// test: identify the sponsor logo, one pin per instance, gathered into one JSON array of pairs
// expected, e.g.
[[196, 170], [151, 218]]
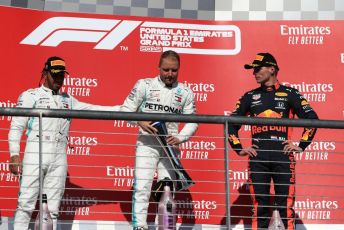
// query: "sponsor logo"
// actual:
[[57, 62], [4, 166], [280, 99], [259, 57], [247, 128], [239, 178], [281, 94], [122, 124], [238, 175], [255, 103], [154, 36], [274, 137], [316, 151], [81, 145], [304, 102], [266, 128], [196, 149], [165, 108], [269, 114], [234, 139], [315, 209], [305, 35], [201, 90], [79, 86], [6, 175], [195, 209], [123, 176], [256, 96], [292, 168], [342, 57], [280, 105], [77, 205], [178, 98], [120, 171], [312, 92], [150, 49], [7, 104]]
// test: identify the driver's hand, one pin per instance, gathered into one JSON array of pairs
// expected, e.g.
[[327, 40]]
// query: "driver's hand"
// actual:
[[251, 151], [289, 147], [15, 165], [146, 126], [174, 141]]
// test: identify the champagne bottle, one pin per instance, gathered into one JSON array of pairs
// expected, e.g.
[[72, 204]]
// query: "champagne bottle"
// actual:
[[167, 211], [276, 221], [47, 222]]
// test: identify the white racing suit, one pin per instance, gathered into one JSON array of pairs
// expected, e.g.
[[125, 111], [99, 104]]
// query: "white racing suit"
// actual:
[[152, 96], [54, 156]]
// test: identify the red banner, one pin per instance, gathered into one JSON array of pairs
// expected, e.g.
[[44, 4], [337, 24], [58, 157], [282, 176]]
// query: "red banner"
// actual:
[[106, 55]]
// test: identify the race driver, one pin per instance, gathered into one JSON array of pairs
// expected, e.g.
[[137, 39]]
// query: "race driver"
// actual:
[[161, 94], [55, 139], [271, 155]]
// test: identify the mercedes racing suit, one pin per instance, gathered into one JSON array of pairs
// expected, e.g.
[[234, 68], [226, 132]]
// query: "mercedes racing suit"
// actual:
[[54, 157], [277, 101], [152, 96]]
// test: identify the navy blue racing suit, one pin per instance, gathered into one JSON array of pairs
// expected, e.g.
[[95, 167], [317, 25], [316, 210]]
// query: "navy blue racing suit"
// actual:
[[271, 162]]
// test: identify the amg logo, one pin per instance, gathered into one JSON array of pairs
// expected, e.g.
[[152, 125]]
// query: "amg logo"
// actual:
[[165, 108]]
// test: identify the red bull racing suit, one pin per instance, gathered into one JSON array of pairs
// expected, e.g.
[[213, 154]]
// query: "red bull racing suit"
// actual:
[[54, 156], [271, 162], [153, 96]]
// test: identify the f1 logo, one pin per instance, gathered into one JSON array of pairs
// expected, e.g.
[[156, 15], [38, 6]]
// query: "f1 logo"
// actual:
[[107, 33]]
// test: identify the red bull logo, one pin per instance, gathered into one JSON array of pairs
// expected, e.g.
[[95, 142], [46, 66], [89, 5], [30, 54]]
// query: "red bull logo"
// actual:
[[266, 128], [307, 133], [234, 139], [270, 114]]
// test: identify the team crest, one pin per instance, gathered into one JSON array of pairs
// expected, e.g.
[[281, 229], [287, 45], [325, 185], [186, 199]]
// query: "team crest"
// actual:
[[256, 96]]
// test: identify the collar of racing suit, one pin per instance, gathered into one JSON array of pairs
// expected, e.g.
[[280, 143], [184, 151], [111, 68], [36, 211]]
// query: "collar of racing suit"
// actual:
[[271, 87], [49, 90], [164, 85]]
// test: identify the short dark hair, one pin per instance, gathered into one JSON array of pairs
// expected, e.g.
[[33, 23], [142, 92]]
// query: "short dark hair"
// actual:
[[167, 54]]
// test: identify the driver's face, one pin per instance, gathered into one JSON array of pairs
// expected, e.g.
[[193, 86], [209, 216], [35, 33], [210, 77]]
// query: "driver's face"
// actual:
[[54, 81], [169, 69]]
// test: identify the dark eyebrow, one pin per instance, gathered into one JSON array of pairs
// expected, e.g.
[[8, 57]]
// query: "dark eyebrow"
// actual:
[[168, 69]]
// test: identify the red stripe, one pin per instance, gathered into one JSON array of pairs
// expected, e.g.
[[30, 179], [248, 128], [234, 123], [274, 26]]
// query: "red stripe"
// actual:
[[290, 129], [290, 202], [255, 207]]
